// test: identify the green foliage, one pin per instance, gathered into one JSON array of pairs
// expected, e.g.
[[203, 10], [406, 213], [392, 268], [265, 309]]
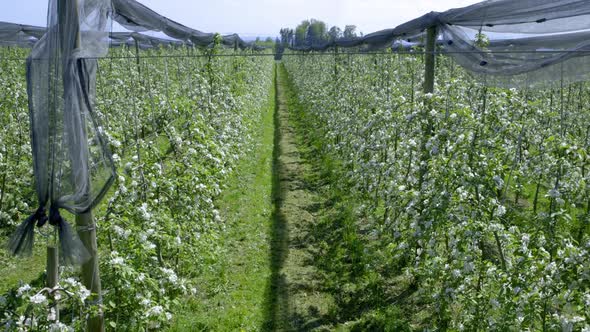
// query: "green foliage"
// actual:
[[232, 293], [314, 32], [391, 319], [349, 31], [482, 41], [177, 127], [467, 208], [334, 33]]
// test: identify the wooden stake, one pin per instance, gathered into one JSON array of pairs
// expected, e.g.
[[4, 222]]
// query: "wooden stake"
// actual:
[[90, 269], [429, 60], [137, 56], [52, 272], [68, 15]]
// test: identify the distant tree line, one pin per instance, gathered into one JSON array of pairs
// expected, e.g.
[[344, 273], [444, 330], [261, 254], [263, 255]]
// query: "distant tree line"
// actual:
[[268, 42], [314, 32]]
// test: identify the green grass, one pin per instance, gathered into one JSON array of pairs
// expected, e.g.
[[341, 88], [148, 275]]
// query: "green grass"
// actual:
[[301, 302], [18, 270], [234, 292], [15, 271], [267, 278], [353, 298]]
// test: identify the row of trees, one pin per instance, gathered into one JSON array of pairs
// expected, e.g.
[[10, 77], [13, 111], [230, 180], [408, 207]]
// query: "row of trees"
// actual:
[[313, 32]]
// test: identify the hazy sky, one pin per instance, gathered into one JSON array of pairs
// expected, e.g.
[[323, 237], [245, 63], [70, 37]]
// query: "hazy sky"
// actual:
[[261, 17]]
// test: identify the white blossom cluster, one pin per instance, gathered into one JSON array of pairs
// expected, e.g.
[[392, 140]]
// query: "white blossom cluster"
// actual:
[[479, 194]]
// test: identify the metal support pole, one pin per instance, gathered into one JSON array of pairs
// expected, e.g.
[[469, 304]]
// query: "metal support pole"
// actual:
[[336, 61], [52, 266]]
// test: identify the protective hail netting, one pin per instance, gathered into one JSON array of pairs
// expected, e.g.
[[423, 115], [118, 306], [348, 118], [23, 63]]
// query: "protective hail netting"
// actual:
[[19, 35], [509, 42], [72, 165], [12, 34], [144, 41], [137, 17]]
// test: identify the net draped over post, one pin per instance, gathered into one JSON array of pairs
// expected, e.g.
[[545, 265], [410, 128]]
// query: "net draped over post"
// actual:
[[529, 41], [72, 164]]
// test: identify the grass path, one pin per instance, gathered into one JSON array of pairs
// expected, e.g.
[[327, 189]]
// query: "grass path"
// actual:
[[265, 279], [298, 303], [232, 292]]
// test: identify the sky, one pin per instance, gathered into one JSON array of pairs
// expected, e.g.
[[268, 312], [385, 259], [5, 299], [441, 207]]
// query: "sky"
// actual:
[[261, 17]]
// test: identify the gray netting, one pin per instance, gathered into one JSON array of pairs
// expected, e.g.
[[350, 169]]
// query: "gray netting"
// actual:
[[12, 34], [530, 41], [72, 165], [137, 17], [144, 41]]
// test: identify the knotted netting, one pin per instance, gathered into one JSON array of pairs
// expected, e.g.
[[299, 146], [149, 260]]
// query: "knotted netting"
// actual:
[[526, 42], [72, 165]]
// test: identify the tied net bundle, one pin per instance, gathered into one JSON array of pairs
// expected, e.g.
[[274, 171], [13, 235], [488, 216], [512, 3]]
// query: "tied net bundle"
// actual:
[[72, 165]]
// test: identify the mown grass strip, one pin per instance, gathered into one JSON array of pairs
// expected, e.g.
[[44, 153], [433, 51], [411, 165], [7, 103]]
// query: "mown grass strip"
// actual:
[[233, 293]]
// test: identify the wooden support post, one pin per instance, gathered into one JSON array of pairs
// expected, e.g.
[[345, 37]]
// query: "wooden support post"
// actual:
[[68, 19], [336, 61], [52, 266], [53, 272], [429, 60], [90, 269], [137, 56]]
